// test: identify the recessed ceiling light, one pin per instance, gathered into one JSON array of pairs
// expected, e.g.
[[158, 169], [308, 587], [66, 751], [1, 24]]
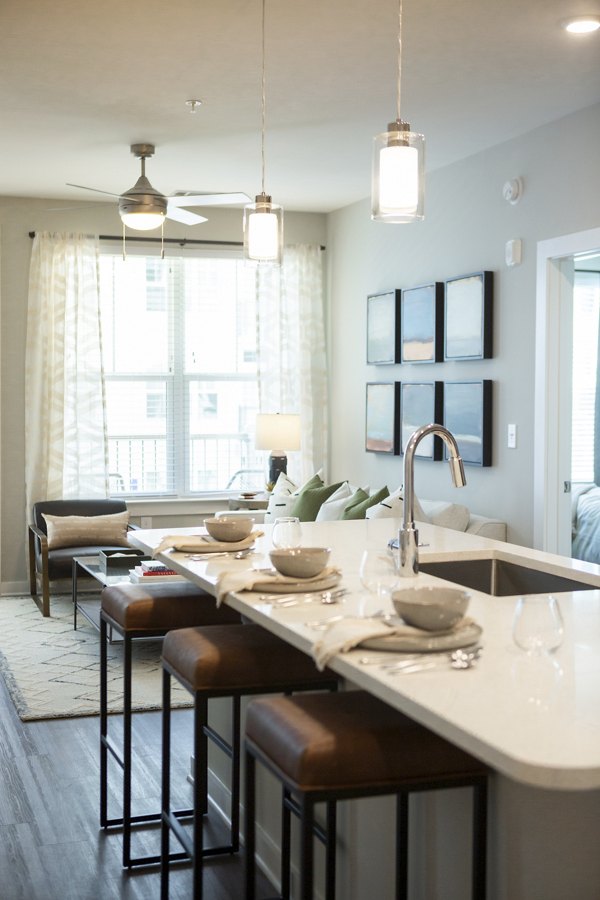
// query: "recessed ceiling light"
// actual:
[[582, 24]]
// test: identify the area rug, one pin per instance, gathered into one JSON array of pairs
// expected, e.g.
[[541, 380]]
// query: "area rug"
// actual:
[[52, 671]]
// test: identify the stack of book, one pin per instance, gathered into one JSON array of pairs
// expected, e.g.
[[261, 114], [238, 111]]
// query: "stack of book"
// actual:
[[152, 570]]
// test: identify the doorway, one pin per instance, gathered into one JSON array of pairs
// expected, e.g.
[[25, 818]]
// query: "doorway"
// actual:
[[553, 387]]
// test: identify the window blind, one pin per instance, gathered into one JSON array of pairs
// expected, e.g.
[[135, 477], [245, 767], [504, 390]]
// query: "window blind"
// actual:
[[179, 350]]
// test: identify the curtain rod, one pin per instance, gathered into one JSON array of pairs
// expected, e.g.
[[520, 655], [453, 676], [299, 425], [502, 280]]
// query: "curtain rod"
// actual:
[[182, 242]]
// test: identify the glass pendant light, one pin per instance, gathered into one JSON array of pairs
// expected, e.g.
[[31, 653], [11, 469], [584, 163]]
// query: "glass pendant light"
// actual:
[[263, 219], [398, 164]]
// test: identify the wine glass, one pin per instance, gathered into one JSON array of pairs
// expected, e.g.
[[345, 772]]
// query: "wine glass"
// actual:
[[287, 532], [378, 574], [538, 625]]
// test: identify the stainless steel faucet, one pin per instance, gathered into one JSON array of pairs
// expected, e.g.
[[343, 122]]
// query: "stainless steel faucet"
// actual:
[[408, 536]]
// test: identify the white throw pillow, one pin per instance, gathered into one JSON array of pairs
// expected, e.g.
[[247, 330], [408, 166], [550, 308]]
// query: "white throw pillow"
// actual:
[[279, 505], [283, 498], [447, 515], [284, 486], [333, 507], [393, 507]]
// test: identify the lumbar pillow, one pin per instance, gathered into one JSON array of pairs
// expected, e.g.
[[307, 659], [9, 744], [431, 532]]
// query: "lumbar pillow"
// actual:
[[393, 507], [309, 501], [358, 505], [87, 531], [447, 515]]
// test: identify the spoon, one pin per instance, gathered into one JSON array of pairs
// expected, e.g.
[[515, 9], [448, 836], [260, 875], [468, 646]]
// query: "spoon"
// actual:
[[459, 659]]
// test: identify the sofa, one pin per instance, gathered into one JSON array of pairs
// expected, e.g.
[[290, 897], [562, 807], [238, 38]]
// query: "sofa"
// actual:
[[315, 501]]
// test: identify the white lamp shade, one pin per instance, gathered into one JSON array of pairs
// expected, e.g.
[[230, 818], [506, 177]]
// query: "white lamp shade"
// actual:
[[277, 431], [398, 177], [263, 233]]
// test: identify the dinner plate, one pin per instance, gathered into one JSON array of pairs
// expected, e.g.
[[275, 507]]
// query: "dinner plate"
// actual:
[[426, 643], [301, 586]]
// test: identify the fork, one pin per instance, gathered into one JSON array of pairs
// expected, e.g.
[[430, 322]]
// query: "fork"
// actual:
[[287, 600]]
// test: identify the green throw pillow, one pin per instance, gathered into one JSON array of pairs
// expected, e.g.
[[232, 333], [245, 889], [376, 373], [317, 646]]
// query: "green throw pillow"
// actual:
[[310, 500], [314, 482], [359, 503]]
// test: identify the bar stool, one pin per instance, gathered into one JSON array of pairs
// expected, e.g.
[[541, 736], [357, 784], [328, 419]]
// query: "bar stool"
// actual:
[[211, 662], [329, 747], [140, 611]]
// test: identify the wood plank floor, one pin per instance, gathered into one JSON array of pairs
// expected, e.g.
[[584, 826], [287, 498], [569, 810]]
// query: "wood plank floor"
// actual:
[[51, 846]]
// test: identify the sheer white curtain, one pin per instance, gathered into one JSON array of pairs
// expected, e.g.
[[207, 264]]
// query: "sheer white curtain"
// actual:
[[292, 367], [66, 452]]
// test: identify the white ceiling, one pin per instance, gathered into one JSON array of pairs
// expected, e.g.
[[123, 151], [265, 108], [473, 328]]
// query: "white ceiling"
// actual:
[[80, 81]]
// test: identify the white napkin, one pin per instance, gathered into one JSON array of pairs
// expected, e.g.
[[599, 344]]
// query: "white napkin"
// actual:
[[247, 579], [204, 543], [347, 633]]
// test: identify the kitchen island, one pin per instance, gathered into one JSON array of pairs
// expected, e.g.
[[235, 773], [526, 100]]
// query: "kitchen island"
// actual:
[[536, 722]]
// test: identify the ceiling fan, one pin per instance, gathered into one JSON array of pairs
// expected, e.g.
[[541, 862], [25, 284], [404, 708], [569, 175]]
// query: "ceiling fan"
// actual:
[[143, 208]]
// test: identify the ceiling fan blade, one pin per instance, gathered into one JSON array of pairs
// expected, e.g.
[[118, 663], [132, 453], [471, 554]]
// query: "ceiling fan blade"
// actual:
[[185, 217], [208, 199], [96, 190]]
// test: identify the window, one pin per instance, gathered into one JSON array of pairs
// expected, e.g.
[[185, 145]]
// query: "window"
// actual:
[[586, 307], [179, 349]]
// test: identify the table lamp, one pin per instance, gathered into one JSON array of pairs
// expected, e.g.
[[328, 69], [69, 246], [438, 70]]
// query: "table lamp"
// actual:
[[277, 432]]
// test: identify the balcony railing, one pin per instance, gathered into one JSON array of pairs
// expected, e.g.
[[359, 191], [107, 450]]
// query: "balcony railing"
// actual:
[[145, 464]]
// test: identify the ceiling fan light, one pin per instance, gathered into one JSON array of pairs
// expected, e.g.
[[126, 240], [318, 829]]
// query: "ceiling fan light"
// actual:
[[398, 177], [263, 232], [140, 220]]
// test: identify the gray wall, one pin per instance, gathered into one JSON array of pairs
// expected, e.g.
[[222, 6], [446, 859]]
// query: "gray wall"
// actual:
[[17, 217], [466, 227]]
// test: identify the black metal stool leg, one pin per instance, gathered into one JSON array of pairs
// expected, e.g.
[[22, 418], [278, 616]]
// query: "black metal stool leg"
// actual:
[[235, 774], [286, 844], [200, 788], [306, 847], [330, 848], [402, 800], [127, 739], [166, 786], [103, 727], [250, 830]]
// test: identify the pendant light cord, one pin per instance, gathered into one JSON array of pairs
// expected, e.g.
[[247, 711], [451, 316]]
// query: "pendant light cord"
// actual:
[[264, 101], [399, 83]]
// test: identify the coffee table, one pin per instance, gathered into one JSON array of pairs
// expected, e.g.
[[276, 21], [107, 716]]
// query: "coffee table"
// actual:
[[90, 607]]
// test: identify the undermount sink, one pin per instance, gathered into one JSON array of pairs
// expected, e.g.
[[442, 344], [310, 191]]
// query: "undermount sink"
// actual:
[[501, 578]]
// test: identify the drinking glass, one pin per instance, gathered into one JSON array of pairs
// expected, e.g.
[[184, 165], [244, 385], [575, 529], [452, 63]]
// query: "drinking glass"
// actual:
[[378, 573], [287, 532], [538, 625]]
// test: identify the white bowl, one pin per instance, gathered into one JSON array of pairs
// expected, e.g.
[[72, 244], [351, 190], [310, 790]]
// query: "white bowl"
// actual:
[[229, 528], [431, 608], [300, 562]]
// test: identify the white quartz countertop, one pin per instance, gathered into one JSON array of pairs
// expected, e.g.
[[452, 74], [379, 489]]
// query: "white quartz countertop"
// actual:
[[536, 720]]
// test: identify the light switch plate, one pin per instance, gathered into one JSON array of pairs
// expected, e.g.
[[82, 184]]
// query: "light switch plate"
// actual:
[[512, 437]]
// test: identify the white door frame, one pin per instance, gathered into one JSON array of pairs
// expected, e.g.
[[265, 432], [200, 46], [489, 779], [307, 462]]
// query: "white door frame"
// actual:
[[554, 282]]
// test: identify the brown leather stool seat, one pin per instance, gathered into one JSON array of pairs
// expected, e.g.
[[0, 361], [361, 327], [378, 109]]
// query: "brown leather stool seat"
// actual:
[[137, 611], [330, 747], [215, 661]]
